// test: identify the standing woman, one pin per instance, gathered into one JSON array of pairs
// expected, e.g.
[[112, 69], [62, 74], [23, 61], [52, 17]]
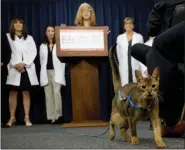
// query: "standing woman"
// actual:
[[85, 16], [52, 75], [21, 68], [127, 64]]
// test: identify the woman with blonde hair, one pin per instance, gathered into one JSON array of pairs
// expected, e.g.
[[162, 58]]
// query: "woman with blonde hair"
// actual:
[[21, 68], [85, 16]]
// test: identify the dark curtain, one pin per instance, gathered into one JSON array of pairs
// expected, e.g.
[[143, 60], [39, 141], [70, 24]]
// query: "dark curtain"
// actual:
[[39, 13]]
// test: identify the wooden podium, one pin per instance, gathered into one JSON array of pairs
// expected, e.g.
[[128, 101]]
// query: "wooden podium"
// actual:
[[83, 59]]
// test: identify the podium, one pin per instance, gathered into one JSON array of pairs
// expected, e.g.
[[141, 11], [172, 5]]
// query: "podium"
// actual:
[[82, 47]]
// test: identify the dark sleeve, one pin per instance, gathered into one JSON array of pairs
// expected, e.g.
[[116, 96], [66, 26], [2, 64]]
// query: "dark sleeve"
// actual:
[[5, 50], [155, 16]]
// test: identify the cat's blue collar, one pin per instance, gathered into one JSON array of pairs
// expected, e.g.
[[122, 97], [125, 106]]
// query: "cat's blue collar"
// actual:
[[128, 98]]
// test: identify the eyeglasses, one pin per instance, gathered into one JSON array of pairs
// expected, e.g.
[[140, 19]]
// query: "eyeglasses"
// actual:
[[87, 10]]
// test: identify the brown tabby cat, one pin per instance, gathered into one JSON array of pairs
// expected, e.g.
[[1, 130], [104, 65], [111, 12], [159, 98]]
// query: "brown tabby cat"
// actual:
[[134, 102]]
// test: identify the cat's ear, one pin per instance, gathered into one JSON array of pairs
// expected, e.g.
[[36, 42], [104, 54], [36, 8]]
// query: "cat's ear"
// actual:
[[155, 73], [138, 75]]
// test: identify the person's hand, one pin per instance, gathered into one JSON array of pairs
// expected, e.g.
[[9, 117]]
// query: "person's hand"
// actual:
[[23, 70], [19, 67], [108, 31], [63, 25]]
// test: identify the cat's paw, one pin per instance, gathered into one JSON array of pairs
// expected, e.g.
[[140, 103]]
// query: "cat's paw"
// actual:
[[160, 144], [134, 140], [111, 137], [127, 139]]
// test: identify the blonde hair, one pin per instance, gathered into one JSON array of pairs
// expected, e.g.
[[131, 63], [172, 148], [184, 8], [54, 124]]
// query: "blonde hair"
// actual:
[[129, 19], [79, 17]]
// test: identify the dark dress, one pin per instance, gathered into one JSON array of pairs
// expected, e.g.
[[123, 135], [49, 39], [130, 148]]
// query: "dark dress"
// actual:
[[130, 79], [24, 83]]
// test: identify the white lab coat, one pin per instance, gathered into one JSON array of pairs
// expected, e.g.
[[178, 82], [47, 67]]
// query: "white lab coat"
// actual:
[[122, 53], [23, 51], [59, 68]]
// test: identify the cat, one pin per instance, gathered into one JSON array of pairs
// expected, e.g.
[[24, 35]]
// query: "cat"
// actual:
[[134, 102]]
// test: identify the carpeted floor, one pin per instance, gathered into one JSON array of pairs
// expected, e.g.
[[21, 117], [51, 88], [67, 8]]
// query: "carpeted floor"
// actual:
[[53, 136]]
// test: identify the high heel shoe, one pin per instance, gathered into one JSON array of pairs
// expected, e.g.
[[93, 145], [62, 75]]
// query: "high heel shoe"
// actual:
[[11, 122], [27, 121]]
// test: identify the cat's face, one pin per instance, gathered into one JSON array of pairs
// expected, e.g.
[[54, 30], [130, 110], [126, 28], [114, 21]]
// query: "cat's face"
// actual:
[[148, 86]]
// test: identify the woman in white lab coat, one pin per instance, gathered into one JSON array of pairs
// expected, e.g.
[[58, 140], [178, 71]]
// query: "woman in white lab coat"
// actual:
[[127, 64], [52, 75], [21, 68]]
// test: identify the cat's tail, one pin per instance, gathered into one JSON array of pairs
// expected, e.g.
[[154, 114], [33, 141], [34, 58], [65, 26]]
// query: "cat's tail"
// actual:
[[114, 67]]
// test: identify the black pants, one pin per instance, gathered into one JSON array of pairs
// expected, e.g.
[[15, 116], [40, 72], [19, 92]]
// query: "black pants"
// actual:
[[166, 52]]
